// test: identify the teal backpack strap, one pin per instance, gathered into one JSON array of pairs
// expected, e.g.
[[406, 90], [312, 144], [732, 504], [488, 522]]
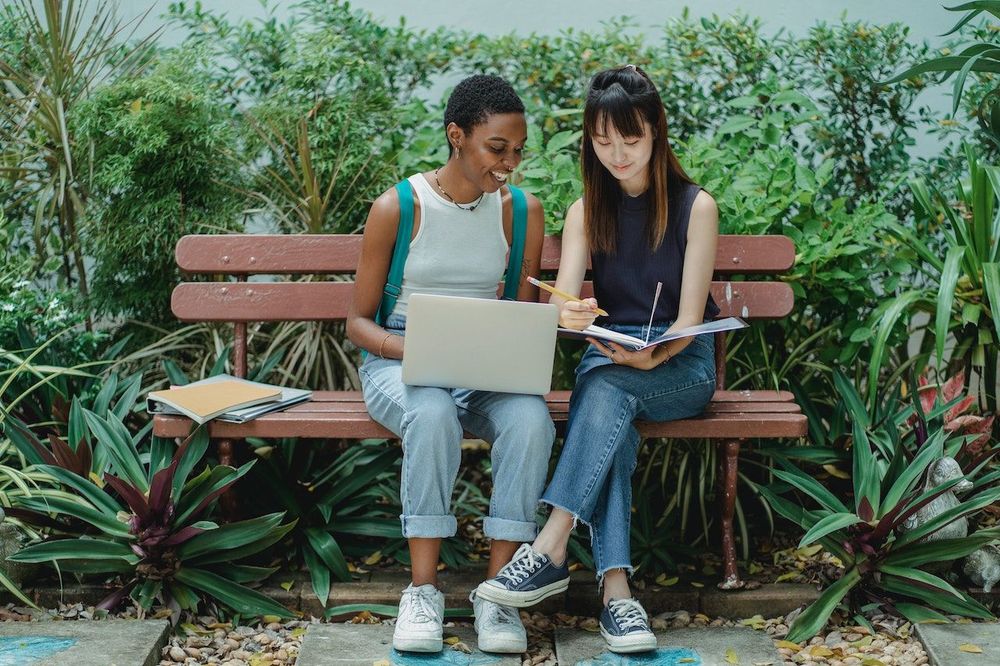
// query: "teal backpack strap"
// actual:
[[519, 229], [394, 281]]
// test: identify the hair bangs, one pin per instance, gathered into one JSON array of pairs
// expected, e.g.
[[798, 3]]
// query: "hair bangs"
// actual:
[[613, 107]]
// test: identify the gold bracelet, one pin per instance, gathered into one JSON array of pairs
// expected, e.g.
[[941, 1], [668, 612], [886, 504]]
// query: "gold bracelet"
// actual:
[[382, 344]]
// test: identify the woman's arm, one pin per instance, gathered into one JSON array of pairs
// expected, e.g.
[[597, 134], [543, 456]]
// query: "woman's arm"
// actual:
[[572, 269], [699, 261], [699, 265], [373, 270], [531, 264]]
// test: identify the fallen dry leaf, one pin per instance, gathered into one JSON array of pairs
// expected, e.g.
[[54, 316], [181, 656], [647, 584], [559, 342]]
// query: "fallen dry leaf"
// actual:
[[731, 657], [788, 645], [833, 470], [969, 647]]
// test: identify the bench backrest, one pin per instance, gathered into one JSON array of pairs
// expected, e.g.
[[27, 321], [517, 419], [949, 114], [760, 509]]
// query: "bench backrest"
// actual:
[[241, 301]]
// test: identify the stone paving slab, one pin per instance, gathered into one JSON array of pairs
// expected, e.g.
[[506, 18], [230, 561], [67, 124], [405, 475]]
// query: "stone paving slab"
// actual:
[[368, 644], [675, 647], [941, 642], [83, 643]]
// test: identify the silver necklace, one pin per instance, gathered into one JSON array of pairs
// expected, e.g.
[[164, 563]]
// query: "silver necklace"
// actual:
[[452, 199]]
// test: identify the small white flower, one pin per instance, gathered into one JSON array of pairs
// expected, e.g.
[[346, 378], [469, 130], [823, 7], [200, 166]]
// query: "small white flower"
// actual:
[[7, 307]]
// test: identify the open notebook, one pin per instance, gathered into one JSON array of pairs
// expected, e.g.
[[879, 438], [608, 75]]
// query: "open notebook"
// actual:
[[632, 342]]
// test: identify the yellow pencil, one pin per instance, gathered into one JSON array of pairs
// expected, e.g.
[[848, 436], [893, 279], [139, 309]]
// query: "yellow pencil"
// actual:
[[563, 294]]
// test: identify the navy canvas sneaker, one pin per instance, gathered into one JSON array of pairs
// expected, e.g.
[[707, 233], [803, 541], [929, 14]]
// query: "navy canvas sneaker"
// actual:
[[527, 579], [625, 627]]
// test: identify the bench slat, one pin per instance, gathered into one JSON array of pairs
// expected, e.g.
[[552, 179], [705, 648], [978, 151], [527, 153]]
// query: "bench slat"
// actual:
[[329, 301], [553, 397], [558, 409], [249, 254], [354, 426]]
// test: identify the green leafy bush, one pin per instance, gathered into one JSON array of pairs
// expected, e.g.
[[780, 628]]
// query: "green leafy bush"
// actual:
[[158, 174]]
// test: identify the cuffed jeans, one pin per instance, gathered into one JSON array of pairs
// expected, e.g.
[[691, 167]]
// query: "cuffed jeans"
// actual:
[[593, 479], [430, 423]]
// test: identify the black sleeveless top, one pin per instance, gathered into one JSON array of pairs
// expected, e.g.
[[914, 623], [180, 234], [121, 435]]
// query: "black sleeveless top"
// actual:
[[625, 282]]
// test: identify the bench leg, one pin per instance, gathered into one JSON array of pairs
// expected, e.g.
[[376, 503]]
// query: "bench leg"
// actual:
[[228, 500], [729, 451]]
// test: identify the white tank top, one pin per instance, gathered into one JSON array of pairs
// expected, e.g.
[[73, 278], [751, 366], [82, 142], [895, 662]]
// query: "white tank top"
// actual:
[[456, 252]]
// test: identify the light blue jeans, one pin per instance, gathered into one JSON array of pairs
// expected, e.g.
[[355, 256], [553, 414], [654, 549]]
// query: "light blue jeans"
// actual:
[[430, 423], [593, 479]]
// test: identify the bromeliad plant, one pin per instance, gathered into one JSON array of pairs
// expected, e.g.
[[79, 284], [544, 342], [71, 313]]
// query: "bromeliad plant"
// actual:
[[881, 557], [143, 518]]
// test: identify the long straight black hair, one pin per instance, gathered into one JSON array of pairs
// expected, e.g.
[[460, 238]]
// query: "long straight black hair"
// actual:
[[622, 98]]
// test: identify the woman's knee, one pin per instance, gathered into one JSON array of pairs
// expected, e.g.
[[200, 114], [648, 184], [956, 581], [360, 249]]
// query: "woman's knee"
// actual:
[[530, 425], [432, 413]]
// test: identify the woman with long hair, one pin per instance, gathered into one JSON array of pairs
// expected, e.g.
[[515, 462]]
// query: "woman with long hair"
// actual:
[[641, 222]]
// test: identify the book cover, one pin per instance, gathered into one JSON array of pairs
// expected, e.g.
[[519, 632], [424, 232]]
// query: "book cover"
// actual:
[[287, 398], [637, 344], [203, 402]]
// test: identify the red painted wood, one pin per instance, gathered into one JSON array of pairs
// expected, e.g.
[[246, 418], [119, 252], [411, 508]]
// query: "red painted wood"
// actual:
[[329, 301], [305, 254], [563, 396], [355, 426]]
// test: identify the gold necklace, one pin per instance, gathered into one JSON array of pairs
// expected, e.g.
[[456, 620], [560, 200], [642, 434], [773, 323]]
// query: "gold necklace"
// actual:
[[452, 199]]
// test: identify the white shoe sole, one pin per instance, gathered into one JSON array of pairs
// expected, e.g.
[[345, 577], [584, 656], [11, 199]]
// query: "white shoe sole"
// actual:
[[629, 644], [499, 595], [509, 645], [416, 644]]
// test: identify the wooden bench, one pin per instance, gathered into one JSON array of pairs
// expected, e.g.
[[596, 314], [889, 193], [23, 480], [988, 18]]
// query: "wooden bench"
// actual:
[[730, 419]]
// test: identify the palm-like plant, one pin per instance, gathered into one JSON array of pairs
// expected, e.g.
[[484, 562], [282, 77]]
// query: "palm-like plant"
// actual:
[[142, 517], [67, 50], [330, 500], [982, 58], [882, 559], [962, 290]]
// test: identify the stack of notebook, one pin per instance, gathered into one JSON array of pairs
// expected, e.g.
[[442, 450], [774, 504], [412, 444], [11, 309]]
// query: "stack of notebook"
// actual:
[[225, 398]]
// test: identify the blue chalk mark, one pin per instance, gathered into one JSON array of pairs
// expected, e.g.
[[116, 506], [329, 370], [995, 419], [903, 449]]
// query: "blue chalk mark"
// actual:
[[670, 656], [25, 650], [446, 657]]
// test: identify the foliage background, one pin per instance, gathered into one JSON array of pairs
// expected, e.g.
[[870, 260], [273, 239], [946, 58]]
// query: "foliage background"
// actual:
[[287, 126]]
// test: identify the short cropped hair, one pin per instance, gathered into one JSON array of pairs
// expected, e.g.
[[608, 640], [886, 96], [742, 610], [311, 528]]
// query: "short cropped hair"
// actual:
[[477, 98]]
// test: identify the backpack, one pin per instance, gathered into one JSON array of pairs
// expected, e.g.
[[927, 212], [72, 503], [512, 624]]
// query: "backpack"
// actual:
[[394, 281]]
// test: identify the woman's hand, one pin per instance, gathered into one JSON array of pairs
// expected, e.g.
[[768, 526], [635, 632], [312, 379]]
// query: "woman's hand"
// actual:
[[645, 359], [578, 315]]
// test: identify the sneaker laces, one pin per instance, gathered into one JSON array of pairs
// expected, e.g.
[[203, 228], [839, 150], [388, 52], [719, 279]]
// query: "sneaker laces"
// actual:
[[420, 604], [629, 613], [526, 561], [499, 614], [495, 613]]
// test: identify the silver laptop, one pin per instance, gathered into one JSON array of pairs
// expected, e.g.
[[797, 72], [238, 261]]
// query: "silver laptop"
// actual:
[[478, 343]]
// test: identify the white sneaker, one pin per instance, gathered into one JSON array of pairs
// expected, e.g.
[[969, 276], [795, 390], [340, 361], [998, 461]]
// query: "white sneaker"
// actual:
[[419, 623], [499, 627]]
